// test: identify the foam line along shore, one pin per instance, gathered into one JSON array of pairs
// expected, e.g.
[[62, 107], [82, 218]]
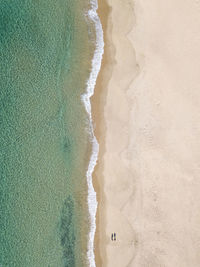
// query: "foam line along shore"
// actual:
[[96, 65]]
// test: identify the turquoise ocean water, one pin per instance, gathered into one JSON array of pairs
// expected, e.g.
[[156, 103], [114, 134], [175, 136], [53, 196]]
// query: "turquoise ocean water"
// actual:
[[45, 59]]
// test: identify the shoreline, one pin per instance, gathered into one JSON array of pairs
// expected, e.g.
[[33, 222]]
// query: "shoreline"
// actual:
[[97, 102], [100, 101], [86, 99]]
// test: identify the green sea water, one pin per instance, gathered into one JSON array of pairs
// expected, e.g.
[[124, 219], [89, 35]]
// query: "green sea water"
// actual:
[[45, 55]]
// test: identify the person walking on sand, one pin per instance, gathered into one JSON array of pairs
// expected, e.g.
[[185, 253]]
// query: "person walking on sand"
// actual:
[[114, 236]]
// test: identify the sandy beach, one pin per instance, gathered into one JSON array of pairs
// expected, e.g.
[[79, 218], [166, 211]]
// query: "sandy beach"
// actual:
[[147, 121]]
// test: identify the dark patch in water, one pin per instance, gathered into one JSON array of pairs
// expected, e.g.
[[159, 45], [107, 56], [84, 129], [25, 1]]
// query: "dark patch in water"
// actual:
[[67, 232], [66, 145]]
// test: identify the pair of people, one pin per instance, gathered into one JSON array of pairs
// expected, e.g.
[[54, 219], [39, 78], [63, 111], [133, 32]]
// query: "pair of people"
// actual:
[[113, 237]]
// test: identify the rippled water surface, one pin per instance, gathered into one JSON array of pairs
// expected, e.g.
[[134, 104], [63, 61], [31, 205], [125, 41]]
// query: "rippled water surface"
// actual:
[[45, 55]]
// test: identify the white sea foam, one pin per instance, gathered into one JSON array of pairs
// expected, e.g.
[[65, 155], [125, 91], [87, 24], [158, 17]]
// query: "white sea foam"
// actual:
[[96, 65]]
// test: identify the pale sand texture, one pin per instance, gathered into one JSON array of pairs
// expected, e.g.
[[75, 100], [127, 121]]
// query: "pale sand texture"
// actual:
[[149, 167]]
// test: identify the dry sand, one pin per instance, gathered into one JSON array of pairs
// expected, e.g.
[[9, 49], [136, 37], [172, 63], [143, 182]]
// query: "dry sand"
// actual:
[[147, 115]]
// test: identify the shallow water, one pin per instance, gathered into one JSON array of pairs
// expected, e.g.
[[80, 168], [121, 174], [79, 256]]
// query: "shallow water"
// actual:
[[45, 60]]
